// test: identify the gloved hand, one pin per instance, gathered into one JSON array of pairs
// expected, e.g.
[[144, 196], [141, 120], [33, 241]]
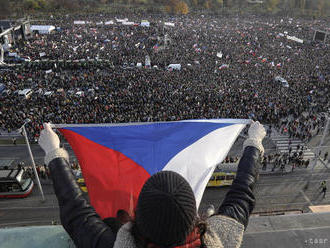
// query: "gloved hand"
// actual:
[[48, 139], [210, 211], [50, 143], [257, 133]]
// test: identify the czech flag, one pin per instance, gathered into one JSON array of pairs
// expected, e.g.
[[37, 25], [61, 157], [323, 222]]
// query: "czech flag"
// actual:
[[117, 159]]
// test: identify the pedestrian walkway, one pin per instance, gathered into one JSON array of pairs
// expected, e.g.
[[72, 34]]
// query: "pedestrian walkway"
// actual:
[[6, 162], [4, 134], [282, 142]]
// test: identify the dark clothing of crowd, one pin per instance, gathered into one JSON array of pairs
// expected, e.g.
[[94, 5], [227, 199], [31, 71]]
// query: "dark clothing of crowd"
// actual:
[[112, 89]]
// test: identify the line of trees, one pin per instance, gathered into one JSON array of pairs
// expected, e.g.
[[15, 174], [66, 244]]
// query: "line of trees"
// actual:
[[321, 7]]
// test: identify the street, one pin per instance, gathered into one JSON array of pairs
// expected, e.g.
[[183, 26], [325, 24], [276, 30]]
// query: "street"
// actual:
[[286, 192], [20, 153], [273, 193]]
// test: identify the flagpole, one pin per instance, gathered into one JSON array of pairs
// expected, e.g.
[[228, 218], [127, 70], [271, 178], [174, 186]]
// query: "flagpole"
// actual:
[[33, 163]]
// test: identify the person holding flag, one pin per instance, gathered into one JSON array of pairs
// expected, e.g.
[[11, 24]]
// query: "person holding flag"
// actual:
[[166, 212]]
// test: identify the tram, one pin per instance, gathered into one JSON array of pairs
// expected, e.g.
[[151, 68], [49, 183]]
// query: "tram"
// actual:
[[82, 184], [15, 183], [80, 180], [223, 175]]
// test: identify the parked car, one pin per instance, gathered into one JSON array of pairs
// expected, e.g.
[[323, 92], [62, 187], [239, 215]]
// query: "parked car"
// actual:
[[25, 94], [174, 67], [282, 81]]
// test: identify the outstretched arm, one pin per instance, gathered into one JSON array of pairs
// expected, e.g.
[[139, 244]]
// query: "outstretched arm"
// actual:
[[78, 217], [240, 201]]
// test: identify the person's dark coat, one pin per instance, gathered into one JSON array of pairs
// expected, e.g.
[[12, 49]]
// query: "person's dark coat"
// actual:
[[87, 229]]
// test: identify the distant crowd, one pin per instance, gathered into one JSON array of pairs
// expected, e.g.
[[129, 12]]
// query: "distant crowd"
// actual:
[[228, 70], [43, 171]]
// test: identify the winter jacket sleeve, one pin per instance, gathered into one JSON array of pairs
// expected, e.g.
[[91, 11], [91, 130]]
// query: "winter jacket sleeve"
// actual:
[[78, 217], [240, 201]]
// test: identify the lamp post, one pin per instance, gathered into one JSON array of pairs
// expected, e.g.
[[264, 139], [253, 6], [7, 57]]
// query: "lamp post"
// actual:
[[1, 54], [32, 159]]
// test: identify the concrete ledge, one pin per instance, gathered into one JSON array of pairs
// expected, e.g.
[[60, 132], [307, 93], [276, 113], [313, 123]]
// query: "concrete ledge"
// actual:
[[288, 222], [309, 237], [35, 237], [294, 231]]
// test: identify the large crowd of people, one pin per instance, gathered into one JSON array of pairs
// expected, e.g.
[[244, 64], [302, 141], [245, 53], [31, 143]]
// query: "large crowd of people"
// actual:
[[228, 67]]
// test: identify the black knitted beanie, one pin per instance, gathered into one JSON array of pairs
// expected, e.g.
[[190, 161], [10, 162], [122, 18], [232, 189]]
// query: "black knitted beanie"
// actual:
[[166, 209]]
